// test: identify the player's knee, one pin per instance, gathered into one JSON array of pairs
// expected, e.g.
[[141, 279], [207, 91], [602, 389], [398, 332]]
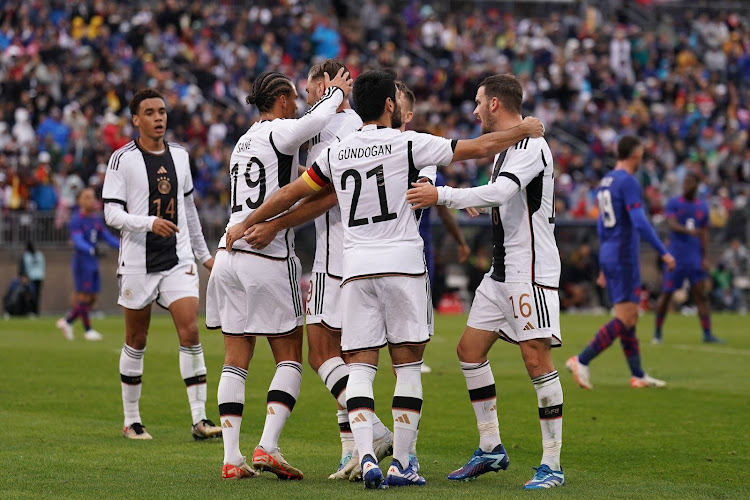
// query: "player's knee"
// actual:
[[189, 335], [467, 353]]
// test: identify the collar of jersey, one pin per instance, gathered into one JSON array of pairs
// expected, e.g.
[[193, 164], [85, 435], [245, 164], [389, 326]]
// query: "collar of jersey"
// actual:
[[372, 126]]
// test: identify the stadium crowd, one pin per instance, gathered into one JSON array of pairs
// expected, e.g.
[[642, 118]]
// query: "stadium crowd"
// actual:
[[68, 69]]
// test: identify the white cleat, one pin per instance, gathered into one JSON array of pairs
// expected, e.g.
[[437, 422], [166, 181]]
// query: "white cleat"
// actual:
[[383, 448], [646, 381], [65, 328], [580, 372], [92, 335]]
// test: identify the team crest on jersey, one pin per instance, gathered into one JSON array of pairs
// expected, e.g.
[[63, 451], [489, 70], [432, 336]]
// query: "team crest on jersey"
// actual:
[[163, 185]]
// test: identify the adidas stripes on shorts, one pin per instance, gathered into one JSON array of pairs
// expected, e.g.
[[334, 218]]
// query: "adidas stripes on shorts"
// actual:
[[516, 311]]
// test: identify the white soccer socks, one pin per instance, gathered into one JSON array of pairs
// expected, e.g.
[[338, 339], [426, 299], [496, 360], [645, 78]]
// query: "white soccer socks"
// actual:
[[550, 398], [406, 409], [334, 373], [231, 398], [131, 371], [481, 385], [282, 396], [193, 371], [360, 405]]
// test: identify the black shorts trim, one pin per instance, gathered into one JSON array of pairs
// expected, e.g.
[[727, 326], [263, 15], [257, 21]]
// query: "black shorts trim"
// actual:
[[546, 287], [253, 253], [252, 334], [381, 275], [397, 344], [362, 349], [333, 329]]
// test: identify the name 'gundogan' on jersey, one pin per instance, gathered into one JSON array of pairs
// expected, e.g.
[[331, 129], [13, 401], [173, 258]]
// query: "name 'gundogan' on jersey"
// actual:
[[147, 186], [523, 225], [371, 169]]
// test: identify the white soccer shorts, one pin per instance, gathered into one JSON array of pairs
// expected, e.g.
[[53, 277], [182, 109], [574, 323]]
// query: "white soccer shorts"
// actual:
[[391, 310], [139, 290], [250, 295], [516, 311], [323, 304]]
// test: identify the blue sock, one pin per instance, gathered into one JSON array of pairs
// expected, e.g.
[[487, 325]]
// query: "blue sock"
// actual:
[[632, 351], [603, 339]]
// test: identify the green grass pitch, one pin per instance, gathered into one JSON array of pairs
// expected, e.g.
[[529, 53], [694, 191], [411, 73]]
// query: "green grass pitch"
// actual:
[[61, 417]]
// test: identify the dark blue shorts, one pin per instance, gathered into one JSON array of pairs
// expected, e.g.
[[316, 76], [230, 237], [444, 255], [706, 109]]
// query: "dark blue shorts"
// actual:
[[623, 282], [86, 278], [674, 279]]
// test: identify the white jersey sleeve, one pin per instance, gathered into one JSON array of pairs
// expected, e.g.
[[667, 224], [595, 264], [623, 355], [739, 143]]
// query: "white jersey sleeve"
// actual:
[[289, 135], [115, 195], [428, 149]]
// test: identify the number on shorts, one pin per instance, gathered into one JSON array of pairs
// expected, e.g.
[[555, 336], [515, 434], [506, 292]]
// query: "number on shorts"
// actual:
[[523, 307]]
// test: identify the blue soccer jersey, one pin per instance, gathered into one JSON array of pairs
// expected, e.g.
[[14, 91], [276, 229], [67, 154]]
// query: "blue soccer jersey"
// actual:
[[85, 231], [691, 214], [425, 231], [620, 226]]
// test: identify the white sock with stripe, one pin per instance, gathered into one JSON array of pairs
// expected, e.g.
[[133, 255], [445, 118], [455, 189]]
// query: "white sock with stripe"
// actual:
[[481, 385], [193, 371], [406, 409], [550, 398], [131, 371], [282, 396], [334, 373], [231, 398], [361, 406]]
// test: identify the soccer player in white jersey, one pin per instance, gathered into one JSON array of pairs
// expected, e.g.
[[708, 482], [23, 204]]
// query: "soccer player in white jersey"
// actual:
[[384, 297], [255, 292], [322, 308], [517, 300], [148, 196]]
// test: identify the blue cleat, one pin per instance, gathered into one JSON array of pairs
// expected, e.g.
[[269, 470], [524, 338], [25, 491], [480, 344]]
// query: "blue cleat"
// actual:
[[398, 476], [545, 478], [480, 463], [372, 475], [710, 339]]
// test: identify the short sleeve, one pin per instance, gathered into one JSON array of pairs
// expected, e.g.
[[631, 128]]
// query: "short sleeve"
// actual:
[[670, 211], [524, 165], [631, 193], [429, 150], [115, 186]]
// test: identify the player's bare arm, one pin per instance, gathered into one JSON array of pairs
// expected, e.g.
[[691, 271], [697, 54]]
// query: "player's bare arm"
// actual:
[[277, 203], [495, 142], [464, 251], [262, 234]]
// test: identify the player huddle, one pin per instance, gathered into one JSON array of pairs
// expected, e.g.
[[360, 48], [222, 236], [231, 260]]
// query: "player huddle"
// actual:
[[365, 184]]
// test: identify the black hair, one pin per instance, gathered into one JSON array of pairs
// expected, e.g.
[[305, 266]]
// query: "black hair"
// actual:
[[140, 96], [371, 89], [626, 145], [267, 88]]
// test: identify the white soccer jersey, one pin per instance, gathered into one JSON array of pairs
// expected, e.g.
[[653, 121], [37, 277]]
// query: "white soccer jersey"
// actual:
[[371, 169], [329, 234], [523, 224], [150, 185], [265, 159]]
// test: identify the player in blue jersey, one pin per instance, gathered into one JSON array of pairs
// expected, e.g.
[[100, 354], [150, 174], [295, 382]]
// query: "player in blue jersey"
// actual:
[[688, 221], [86, 229], [621, 221]]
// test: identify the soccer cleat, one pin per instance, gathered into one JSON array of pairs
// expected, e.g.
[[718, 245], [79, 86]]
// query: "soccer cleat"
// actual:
[[205, 429], [580, 372], [92, 335], [242, 471], [398, 476], [656, 340], [646, 381], [346, 457], [373, 476], [545, 478], [383, 448], [710, 339], [274, 462], [480, 463], [136, 431], [66, 328]]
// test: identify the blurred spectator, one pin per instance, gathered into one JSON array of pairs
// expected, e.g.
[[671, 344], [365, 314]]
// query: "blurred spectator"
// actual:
[[579, 272], [18, 299], [32, 265]]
